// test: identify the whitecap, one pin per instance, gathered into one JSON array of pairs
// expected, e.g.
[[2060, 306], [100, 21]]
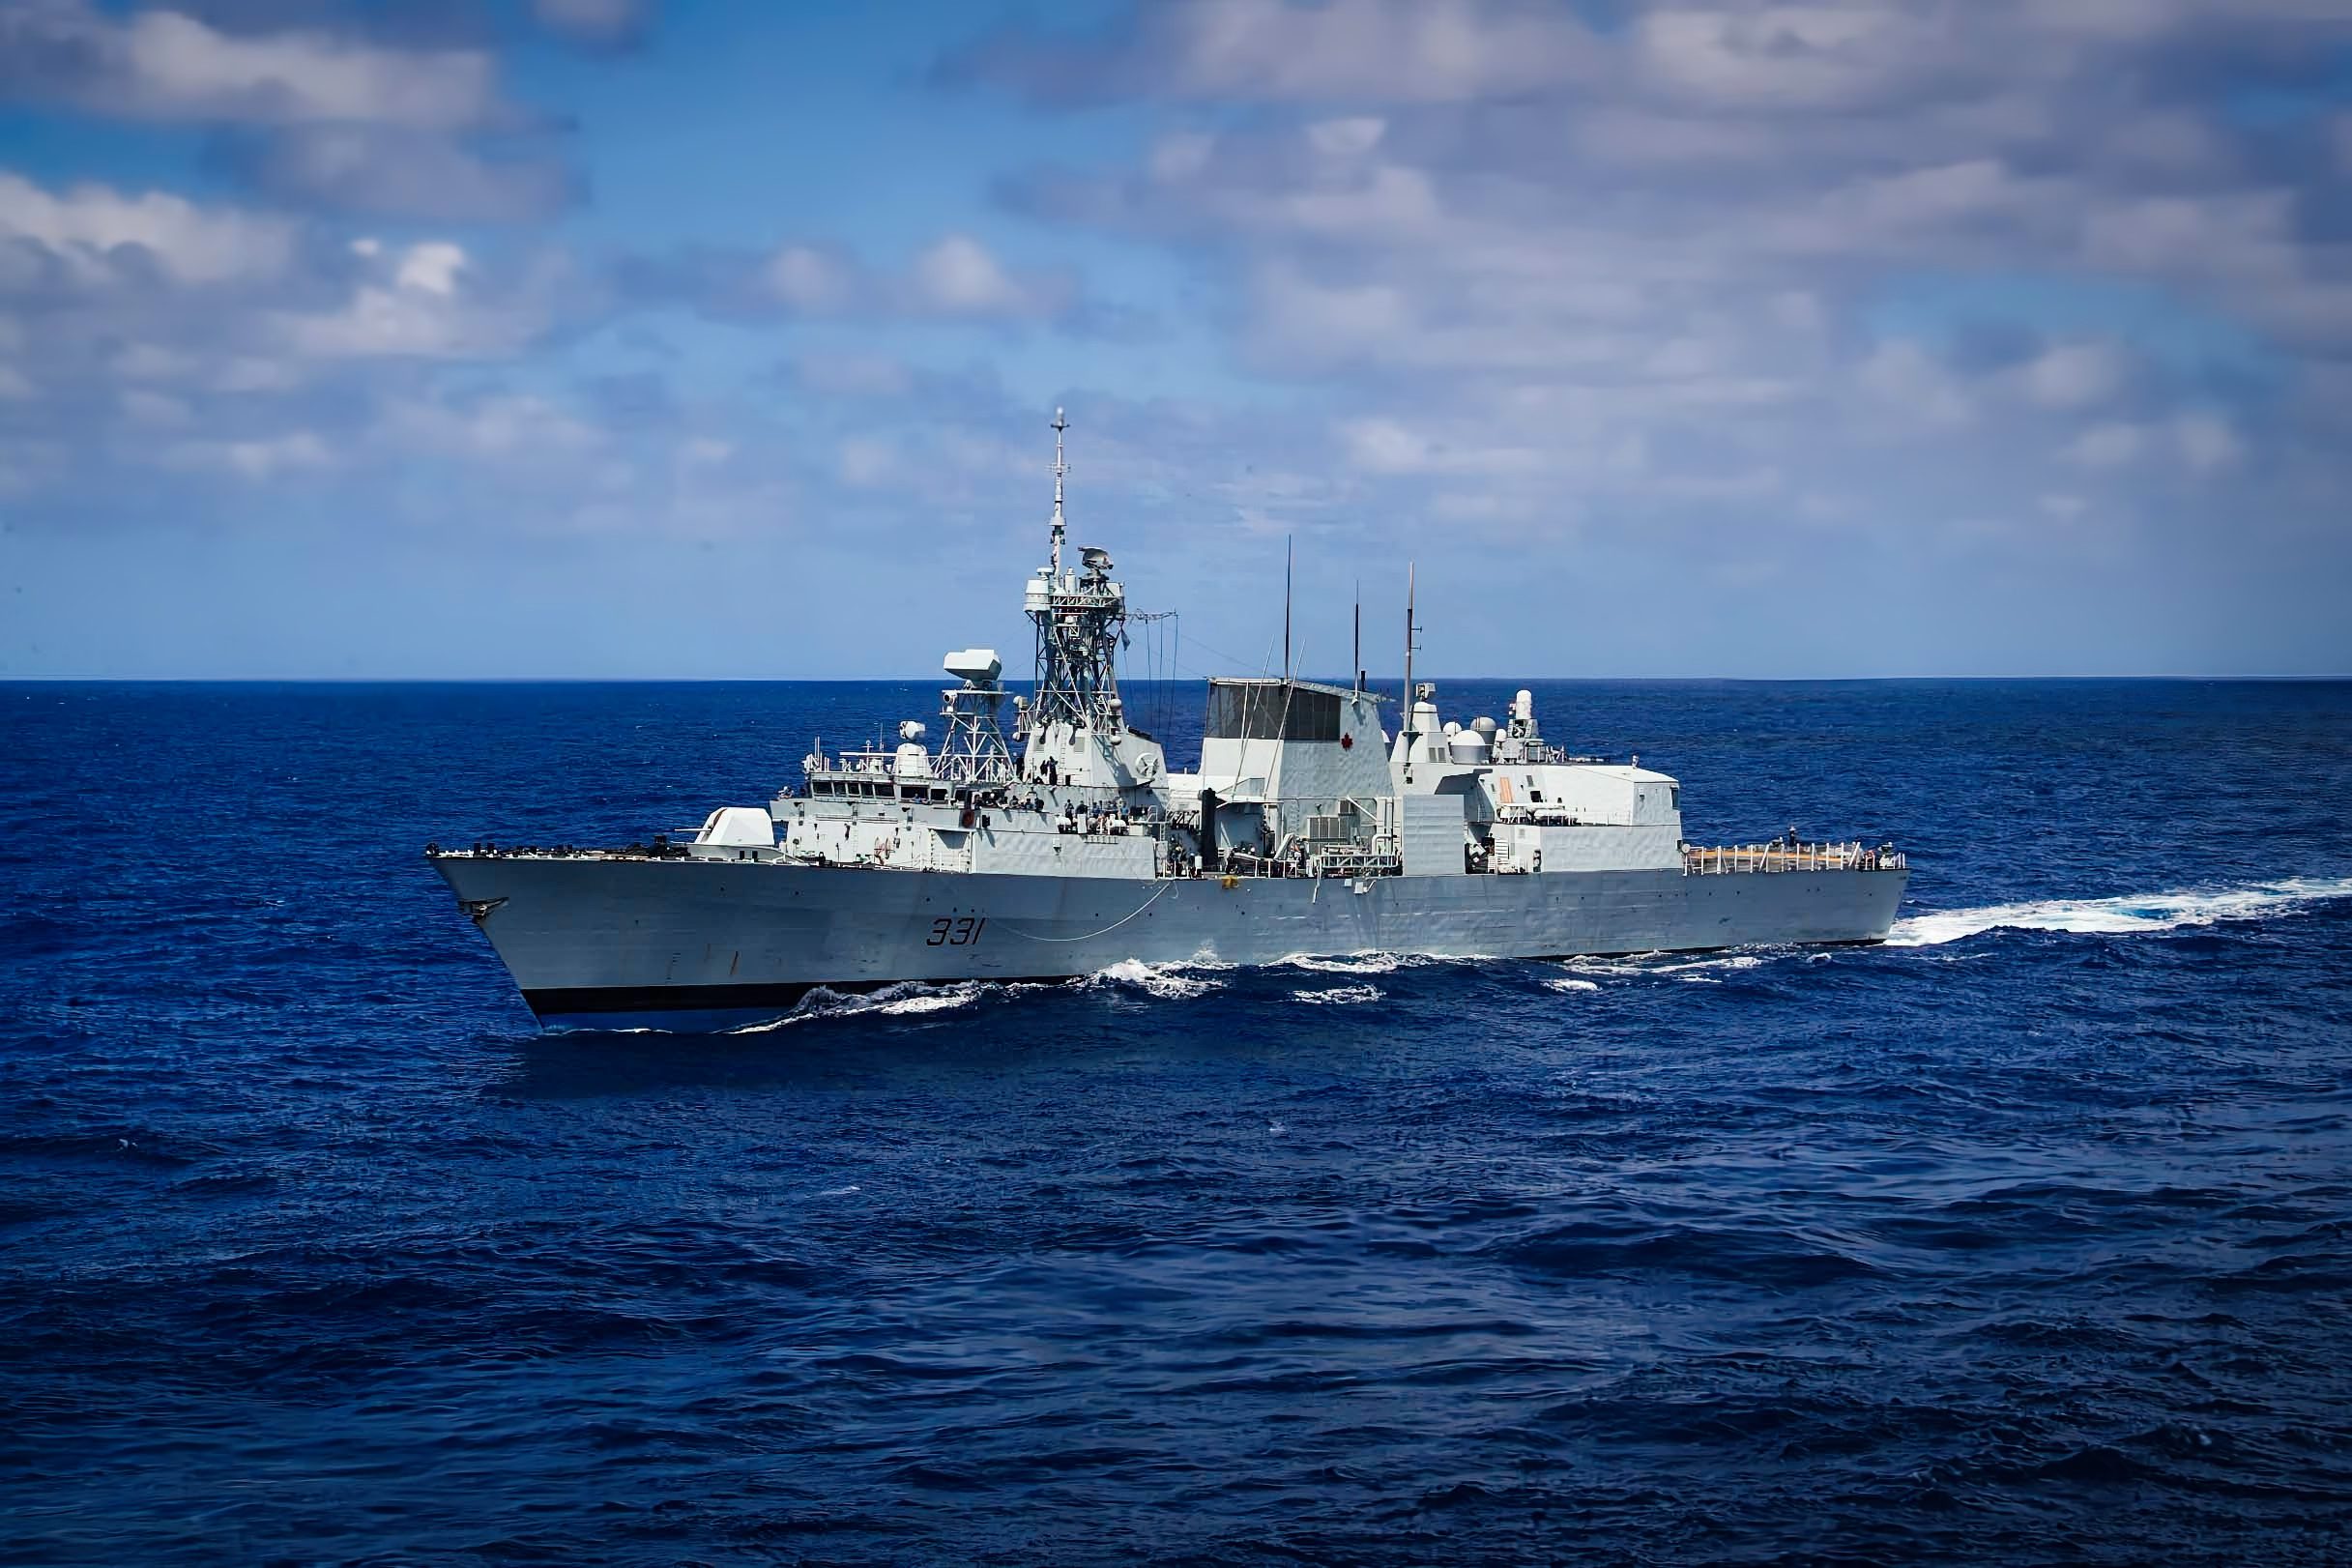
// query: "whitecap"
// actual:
[[900, 999], [2132, 914], [1702, 964], [1610, 967], [1572, 984], [929, 1001], [1346, 963], [1339, 994], [1153, 979]]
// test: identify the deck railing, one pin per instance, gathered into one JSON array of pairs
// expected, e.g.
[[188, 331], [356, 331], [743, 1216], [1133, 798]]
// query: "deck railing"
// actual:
[[1782, 855]]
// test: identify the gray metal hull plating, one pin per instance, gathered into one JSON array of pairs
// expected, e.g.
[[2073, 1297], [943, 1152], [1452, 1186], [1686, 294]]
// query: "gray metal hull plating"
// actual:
[[701, 943]]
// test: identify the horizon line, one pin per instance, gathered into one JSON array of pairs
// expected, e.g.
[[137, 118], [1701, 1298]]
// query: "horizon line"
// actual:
[[7, 679]]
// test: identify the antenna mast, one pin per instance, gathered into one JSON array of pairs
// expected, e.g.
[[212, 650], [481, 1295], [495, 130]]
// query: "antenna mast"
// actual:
[[1060, 469], [1408, 734], [1286, 606], [1081, 617]]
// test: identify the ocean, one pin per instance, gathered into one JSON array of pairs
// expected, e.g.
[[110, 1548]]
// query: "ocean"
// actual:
[[2026, 1237]]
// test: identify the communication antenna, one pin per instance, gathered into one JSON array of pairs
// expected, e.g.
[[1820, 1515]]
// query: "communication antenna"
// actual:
[[1060, 469], [1286, 607], [1357, 659], [1412, 708]]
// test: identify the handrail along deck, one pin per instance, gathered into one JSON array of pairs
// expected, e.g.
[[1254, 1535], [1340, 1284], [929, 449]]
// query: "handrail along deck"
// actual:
[[1782, 855]]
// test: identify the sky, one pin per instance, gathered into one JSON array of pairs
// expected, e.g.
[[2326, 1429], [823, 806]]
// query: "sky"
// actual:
[[617, 338]]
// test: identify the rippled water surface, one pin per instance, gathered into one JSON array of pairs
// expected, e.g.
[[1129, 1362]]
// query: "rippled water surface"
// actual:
[[2024, 1237]]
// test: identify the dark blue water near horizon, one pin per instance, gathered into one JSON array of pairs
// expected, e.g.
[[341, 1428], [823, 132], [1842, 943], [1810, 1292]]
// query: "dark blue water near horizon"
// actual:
[[2026, 1237]]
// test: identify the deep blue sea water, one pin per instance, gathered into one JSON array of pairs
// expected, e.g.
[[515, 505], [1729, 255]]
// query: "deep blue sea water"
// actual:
[[2027, 1240]]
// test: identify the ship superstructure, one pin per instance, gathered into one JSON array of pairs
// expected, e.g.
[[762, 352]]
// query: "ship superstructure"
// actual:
[[1070, 845]]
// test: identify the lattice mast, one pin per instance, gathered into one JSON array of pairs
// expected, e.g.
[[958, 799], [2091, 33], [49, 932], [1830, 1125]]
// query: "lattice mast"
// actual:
[[973, 750], [1081, 617]]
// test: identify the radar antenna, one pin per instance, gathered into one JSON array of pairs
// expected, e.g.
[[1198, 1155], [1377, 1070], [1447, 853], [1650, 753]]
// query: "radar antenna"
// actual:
[[1081, 617]]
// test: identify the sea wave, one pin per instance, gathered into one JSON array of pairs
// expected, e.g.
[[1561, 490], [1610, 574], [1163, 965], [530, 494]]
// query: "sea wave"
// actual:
[[1167, 982], [1339, 994], [2131, 913], [1344, 964], [1704, 966], [1362, 962], [903, 999]]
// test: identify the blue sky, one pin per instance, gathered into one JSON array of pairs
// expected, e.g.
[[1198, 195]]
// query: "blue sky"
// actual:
[[1708, 338]]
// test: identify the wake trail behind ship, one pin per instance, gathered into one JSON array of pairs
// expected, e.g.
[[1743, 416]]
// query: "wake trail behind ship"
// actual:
[[2128, 914]]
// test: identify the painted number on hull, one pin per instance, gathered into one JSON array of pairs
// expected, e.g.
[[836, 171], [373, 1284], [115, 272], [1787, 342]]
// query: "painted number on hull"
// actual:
[[950, 933]]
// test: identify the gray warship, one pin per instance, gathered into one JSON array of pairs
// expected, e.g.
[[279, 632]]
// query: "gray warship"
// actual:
[[1068, 845]]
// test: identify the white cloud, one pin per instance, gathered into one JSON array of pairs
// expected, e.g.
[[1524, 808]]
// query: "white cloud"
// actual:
[[430, 267], [1756, 239], [151, 361], [2073, 375], [155, 409], [853, 374], [256, 373], [954, 277], [958, 276], [1927, 209], [866, 462], [508, 429], [1810, 56], [1349, 138], [418, 302], [165, 65], [595, 21], [1182, 154], [1352, 50], [94, 227], [261, 458], [2206, 441], [2109, 445], [1907, 380], [809, 281], [1385, 445], [427, 176]]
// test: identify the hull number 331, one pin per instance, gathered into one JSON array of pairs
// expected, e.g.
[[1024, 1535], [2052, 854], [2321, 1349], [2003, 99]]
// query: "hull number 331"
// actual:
[[954, 933]]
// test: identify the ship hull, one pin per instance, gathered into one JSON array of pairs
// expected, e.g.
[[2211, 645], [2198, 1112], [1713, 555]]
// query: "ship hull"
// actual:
[[701, 944]]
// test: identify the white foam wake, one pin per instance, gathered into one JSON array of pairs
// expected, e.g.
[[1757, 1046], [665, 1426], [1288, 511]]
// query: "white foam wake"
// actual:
[[1364, 963], [2130, 914], [1705, 966], [908, 996], [1358, 964], [1161, 980]]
